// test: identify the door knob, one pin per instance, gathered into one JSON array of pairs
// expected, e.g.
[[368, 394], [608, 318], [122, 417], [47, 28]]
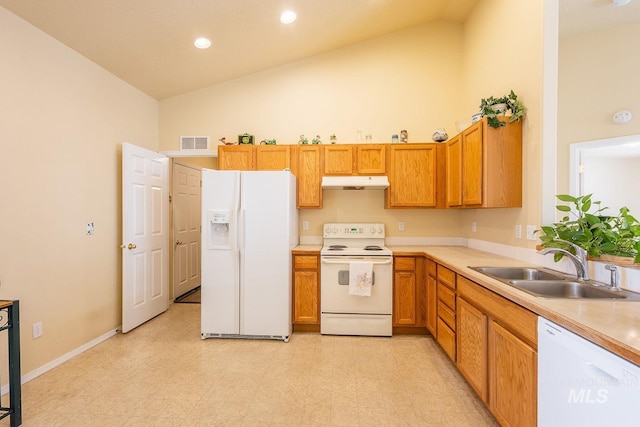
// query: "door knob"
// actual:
[[179, 242], [131, 246]]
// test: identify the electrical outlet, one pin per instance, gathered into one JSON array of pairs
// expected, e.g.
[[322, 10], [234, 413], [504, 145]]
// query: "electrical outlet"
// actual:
[[90, 229], [305, 225], [474, 226], [37, 330], [531, 232], [401, 226], [518, 231]]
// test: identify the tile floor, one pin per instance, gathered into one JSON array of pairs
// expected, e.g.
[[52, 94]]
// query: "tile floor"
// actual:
[[163, 374]]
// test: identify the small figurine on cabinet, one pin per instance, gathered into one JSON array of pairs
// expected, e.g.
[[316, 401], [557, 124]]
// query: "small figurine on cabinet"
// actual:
[[246, 139], [316, 140], [268, 142], [440, 135], [404, 136], [303, 140], [225, 142]]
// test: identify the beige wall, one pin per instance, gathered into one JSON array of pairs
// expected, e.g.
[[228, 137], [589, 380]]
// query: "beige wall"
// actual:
[[597, 76], [63, 120], [406, 80], [420, 79], [504, 51]]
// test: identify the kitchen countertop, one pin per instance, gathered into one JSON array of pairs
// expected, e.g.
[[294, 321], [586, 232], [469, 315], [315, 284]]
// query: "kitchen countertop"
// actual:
[[306, 248], [612, 324]]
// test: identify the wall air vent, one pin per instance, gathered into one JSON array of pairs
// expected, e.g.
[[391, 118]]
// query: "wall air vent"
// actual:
[[194, 142]]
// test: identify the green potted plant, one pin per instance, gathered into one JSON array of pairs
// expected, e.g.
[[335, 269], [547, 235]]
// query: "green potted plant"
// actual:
[[493, 108], [587, 226]]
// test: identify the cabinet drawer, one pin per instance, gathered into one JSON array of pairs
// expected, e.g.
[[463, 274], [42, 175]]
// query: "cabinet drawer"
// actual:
[[432, 268], [446, 276], [446, 296], [447, 340], [447, 315], [305, 261], [405, 263]]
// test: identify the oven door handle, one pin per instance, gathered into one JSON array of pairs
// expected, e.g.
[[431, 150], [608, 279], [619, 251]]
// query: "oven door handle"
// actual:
[[346, 261]]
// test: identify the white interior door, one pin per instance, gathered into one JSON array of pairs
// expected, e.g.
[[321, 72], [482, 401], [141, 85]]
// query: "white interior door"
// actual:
[[145, 235], [186, 228]]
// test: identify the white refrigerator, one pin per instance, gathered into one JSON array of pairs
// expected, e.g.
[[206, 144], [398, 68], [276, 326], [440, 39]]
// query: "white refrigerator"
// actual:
[[249, 227]]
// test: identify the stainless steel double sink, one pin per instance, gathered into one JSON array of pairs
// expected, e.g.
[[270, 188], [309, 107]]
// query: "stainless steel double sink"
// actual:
[[546, 283]]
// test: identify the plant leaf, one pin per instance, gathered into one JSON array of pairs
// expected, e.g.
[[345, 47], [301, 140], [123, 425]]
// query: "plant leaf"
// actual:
[[566, 198]]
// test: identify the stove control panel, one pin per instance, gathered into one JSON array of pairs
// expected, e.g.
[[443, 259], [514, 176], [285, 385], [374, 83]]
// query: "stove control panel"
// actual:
[[355, 231]]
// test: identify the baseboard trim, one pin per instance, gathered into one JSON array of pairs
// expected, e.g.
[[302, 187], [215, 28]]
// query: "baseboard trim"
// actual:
[[60, 360]]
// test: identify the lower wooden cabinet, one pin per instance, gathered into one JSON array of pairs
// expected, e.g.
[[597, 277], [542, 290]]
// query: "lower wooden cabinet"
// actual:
[[432, 298], [306, 292], [513, 368], [472, 347], [408, 293], [497, 352]]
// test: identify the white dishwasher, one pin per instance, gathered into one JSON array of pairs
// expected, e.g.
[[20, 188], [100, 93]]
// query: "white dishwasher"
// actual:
[[582, 384]]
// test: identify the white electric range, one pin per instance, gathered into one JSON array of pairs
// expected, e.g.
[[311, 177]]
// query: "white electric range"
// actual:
[[344, 314]]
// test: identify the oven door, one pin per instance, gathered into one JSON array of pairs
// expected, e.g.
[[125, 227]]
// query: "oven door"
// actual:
[[334, 286]]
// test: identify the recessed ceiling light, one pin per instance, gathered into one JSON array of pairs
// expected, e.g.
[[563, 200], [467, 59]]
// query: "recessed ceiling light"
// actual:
[[288, 16], [202, 43]]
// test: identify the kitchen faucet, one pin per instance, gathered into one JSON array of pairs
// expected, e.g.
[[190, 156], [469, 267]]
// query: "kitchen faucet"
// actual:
[[579, 259]]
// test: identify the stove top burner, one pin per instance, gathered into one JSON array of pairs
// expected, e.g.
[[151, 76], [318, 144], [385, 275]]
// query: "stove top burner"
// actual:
[[372, 248], [337, 247]]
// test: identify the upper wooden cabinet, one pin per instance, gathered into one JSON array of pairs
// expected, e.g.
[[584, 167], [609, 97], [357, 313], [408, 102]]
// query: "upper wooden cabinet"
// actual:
[[370, 159], [366, 159], [307, 168], [484, 167], [254, 157], [413, 176], [236, 157], [273, 157], [338, 159]]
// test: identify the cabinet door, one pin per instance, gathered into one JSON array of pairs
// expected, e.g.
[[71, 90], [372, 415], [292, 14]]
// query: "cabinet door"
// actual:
[[308, 174], [471, 336], [272, 157], [235, 157], [472, 165], [305, 291], [338, 160], [454, 172], [513, 371], [370, 159], [432, 304], [404, 298], [412, 176]]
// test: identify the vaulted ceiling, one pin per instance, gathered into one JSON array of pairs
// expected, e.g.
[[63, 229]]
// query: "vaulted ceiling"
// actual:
[[149, 43]]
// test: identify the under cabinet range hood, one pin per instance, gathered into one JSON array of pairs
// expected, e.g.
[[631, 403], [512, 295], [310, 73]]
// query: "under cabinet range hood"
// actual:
[[355, 182]]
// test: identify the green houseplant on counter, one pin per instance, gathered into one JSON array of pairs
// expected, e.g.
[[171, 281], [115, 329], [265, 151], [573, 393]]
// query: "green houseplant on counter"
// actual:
[[493, 108], [587, 226]]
